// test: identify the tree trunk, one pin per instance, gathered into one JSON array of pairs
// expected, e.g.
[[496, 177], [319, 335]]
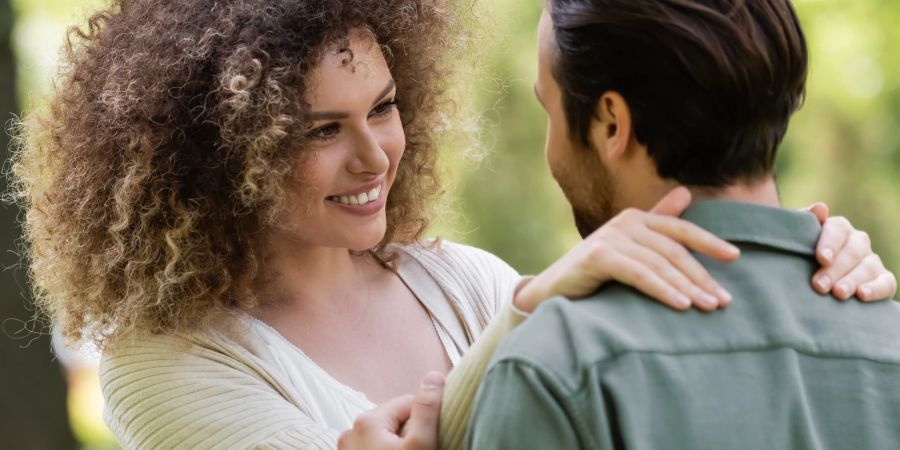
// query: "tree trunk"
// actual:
[[33, 411]]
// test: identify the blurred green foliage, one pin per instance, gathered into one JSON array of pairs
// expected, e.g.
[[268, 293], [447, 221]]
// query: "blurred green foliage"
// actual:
[[843, 147]]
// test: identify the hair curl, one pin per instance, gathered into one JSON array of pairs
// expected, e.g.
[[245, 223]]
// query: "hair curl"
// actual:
[[151, 179]]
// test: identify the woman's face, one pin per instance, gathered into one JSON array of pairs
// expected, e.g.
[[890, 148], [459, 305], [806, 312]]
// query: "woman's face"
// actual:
[[356, 141]]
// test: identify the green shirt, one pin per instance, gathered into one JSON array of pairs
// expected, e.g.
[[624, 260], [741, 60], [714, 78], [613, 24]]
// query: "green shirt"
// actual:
[[782, 367]]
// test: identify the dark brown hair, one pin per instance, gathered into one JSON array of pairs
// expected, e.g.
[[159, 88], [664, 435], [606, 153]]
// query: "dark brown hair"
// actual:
[[164, 155], [711, 84]]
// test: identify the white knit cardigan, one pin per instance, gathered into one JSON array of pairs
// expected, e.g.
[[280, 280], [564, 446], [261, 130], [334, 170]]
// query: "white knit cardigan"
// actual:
[[241, 385]]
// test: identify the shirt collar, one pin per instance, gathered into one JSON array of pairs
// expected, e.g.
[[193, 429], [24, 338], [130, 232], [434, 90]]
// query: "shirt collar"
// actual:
[[780, 228]]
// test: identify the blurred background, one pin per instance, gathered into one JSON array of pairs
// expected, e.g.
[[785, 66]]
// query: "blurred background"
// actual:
[[843, 148]]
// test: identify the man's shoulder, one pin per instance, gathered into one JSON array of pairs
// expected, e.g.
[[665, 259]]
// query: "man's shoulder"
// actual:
[[566, 337]]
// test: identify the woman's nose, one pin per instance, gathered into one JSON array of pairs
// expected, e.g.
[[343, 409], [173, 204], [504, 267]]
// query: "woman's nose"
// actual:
[[368, 155]]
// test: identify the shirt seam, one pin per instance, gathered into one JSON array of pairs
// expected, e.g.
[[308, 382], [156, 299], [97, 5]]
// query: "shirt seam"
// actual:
[[562, 393], [564, 390], [539, 366]]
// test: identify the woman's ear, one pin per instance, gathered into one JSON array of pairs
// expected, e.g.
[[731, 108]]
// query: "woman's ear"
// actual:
[[611, 128]]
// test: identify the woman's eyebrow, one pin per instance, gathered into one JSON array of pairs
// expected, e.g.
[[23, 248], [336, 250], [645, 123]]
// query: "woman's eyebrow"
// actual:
[[384, 92], [335, 115], [327, 115]]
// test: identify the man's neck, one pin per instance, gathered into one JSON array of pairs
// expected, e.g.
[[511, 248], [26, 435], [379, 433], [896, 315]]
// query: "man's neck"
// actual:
[[761, 193]]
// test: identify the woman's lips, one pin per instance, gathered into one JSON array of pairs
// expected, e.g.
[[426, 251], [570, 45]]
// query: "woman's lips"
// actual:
[[362, 204], [362, 198]]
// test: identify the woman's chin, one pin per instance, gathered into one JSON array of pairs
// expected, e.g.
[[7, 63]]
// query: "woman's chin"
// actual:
[[366, 241]]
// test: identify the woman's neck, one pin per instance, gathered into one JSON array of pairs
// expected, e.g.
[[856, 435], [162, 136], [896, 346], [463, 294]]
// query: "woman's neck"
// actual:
[[313, 279]]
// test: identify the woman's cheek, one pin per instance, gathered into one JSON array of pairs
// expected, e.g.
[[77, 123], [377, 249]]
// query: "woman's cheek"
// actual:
[[397, 144]]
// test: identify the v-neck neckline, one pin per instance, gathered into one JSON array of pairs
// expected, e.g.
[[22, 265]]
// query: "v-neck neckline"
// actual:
[[419, 292]]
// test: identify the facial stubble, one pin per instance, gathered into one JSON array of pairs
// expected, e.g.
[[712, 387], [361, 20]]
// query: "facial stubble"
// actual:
[[588, 186]]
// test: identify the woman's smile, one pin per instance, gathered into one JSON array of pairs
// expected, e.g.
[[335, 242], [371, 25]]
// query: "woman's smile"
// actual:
[[363, 201]]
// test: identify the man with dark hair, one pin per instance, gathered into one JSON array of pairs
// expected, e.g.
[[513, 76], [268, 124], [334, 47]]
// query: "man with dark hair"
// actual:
[[644, 96]]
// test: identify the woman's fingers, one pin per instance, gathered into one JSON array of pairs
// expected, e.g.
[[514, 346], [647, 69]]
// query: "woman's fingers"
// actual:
[[870, 268], [420, 433], [378, 428], [820, 210], [635, 274], [646, 250], [848, 265], [856, 248], [681, 260], [835, 233], [671, 274], [390, 415], [694, 237], [404, 423], [870, 281], [674, 203], [881, 288]]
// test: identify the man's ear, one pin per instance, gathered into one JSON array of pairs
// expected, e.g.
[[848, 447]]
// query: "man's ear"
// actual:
[[611, 129]]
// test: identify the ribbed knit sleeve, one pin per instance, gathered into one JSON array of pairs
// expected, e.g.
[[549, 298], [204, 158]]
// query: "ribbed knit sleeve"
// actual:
[[223, 389], [463, 381], [480, 283], [482, 286], [164, 392]]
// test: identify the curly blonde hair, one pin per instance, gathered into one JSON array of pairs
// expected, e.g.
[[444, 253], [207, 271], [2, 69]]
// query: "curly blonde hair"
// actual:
[[150, 180]]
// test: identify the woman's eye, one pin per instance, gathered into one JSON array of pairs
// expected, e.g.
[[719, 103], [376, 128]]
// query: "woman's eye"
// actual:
[[324, 133], [385, 109]]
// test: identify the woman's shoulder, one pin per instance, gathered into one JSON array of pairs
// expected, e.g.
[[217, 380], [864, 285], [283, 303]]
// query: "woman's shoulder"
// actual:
[[456, 258], [138, 362], [471, 277], [183, 379], [141, 355], [227, 345], [224, 335]]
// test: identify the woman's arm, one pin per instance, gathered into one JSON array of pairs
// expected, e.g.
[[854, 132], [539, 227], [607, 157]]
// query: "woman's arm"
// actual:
[[163, 392], [463, 381]]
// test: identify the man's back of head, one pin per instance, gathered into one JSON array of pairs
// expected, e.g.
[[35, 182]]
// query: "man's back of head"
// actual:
[[711, 84], [644, 95]]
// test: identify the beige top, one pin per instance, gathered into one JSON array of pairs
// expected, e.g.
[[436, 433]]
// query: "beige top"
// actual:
[[242, 385]]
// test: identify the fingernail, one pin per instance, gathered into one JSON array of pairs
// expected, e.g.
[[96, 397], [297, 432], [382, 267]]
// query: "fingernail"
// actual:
[[724, 295], [682, 300], [708, 299], [433, 381], [827, 254], [843, 289], [867, 293], [824, 283]]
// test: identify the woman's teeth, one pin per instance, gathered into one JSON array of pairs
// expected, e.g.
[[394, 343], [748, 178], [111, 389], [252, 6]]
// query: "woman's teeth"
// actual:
[[361, 199]]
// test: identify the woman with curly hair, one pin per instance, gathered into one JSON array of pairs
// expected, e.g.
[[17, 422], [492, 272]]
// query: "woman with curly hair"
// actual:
[[228, 197]]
